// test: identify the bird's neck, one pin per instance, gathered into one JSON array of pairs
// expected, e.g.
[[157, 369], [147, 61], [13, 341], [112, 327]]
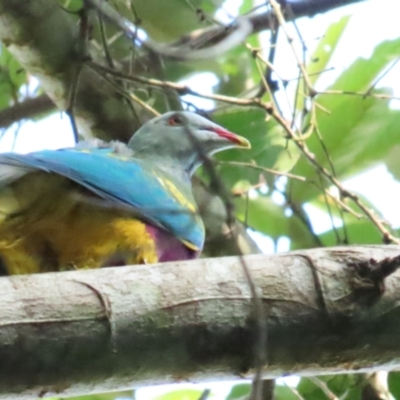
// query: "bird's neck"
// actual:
[[170, 166], [176, 171], [182, 166]]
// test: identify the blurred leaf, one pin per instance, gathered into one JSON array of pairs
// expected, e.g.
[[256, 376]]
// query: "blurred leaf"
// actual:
[[240, 391], [354, 393], [343, 386], [12, 77], [181, 394], [262, 214], [346, 386], [356, 131], [358, 231], [394, 384], [177, 71], [269, 148], [340, 384], [283, 392], [237, 69], [247, 6], [322, 55], [305, 386], [326, 46], [370, 141], [126, 394], [392, 161], [300, 236], [167, 21], [265, 216]]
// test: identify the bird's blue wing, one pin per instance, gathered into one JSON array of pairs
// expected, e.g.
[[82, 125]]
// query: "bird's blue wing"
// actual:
[[122, 180]]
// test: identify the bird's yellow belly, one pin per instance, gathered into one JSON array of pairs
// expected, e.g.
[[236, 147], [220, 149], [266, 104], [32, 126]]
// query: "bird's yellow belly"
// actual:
[[63, 231]]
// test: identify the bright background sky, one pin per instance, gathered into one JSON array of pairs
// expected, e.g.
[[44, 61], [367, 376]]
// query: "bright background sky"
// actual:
[[372, 22]]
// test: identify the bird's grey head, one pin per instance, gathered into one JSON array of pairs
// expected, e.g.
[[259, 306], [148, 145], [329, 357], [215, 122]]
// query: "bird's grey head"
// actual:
[[182, 139]]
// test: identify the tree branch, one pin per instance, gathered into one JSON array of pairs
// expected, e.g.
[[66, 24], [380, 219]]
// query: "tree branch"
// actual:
[[55, 58], [265, 20], [29, 108], [100, 330], [46, 41]]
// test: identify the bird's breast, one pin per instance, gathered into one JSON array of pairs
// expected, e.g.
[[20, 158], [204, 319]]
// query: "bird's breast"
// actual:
[[67, 228]]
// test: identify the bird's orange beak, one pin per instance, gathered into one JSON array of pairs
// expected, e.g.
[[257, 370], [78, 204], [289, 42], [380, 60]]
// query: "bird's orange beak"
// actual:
[[240, 141]]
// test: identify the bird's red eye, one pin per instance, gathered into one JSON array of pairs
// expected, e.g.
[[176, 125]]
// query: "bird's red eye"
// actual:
[[175, 120]]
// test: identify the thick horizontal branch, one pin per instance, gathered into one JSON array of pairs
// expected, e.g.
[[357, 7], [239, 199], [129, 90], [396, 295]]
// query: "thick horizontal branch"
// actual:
[[265, 20], [28, 108], [327, 310]]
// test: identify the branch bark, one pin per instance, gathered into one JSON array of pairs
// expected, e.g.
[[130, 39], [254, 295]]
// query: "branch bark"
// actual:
[[28, 108], [328, 311], [265, 20]]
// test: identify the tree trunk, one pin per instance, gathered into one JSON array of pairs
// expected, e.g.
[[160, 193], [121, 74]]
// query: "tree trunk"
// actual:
[[327, 311]]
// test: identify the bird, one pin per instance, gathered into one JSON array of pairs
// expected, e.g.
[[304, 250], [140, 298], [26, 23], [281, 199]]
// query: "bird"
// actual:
[[108, 204]]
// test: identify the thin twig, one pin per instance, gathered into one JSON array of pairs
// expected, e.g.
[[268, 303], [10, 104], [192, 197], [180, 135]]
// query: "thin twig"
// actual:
[[220, 189], [237, 31], [180, 88], [387, 236], [261, 168], [369, 90], [144, 104], [277, 9], [324, 387], [343, 205], [361, 94], [295, 392]]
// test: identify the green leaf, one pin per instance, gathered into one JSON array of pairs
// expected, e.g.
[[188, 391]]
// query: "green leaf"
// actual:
[[356, 131], [343, 386], [167, 21], [283, 392], [322, 55], [392, 161], [262, 214], [181, 394], [265, 216], [354, 393], [307, 389], [16, 74], [127, 394], [356, 231], [340, 384], [240, 391], [326, 46], [394, 384], [270, 149], [12, 77], [237, 71], [247, 6]]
